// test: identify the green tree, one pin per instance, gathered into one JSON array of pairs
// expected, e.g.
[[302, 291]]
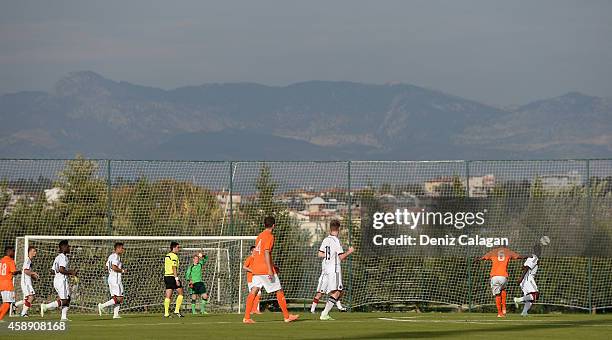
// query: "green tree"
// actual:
[[291, 241], [82, 207], [141, 205], [537, 189], [264, 203], [458, 187], [5, 198], [26, 217], [165, 207]]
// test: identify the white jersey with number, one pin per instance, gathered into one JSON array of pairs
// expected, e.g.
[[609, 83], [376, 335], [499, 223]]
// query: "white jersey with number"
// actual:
[[113, 276], [332, 249]]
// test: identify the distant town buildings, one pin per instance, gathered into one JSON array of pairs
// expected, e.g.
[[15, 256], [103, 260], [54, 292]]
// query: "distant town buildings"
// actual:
[[479, 186], [53, 195], [13, 199], [561, 182], [226, 202]]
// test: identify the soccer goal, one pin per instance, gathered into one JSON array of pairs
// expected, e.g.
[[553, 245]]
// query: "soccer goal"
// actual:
[[143, 259]]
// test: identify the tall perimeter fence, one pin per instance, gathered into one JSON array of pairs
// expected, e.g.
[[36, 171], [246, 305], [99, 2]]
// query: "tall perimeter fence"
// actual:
[[568, 200]]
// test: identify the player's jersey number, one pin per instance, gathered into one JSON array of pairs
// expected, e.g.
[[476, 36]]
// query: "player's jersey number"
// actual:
[[327, 253]]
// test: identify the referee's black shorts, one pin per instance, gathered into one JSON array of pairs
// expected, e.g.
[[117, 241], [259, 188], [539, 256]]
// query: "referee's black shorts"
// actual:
[[171, 283]]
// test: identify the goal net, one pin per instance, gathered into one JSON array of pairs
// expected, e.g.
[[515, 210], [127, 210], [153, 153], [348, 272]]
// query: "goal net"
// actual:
[[143, 259]]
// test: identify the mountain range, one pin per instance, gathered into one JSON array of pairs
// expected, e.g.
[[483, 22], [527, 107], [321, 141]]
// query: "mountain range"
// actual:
[[100, 118]]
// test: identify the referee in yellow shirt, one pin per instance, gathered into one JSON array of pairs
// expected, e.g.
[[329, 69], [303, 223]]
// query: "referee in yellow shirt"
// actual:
[[172, 281]]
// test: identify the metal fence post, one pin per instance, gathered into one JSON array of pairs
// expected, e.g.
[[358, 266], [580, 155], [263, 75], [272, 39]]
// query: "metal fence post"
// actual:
[[231, 198], [590, 231], [350, 230], [469, 259], [109, 199]]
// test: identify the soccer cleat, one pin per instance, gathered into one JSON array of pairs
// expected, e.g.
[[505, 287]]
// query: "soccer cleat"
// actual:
[[248, 321], [204, 313], [501, 316], [116, 317], [343, 309], [516, 302], [65, 320], [43, 309], [179, 315], [167, 316], [326, 318], [25, 316], [292, 317], [100, 309]]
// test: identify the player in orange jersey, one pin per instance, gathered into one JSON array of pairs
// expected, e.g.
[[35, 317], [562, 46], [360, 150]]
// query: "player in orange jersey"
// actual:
[[249, 274], [500, 257], [265, 275], [7, 289]]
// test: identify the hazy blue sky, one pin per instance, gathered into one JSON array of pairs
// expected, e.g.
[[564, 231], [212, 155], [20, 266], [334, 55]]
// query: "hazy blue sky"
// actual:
[[499, 52]]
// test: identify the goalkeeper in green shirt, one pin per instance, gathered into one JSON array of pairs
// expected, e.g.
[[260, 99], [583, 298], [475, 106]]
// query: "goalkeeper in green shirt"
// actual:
[[196, 285]]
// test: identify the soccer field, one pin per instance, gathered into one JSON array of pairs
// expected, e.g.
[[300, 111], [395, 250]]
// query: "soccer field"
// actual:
[[346, 326]]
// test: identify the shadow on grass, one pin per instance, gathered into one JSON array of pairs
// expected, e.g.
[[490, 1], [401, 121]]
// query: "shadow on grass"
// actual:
[[466, 333]]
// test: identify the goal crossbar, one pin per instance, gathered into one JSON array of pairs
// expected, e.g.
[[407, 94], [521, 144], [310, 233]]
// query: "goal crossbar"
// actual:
[[131, 238]]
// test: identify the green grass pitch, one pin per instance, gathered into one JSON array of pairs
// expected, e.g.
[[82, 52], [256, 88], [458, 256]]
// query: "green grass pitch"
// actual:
[[346, 326]]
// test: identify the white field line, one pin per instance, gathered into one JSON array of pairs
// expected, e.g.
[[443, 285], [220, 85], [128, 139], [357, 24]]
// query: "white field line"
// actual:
[[484, 322], [435, 321], [413, 319], [170, 323]]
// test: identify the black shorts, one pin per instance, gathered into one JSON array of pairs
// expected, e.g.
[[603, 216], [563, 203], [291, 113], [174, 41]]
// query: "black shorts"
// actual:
[[199, 288], [171, 283]]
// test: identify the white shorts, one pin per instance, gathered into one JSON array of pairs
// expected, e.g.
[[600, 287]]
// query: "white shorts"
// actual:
[[250, 285], [498, 283], [528, 285], [329, 282], [8, 296], [260, 281], [27, 289], [115, 288], [62, 288]]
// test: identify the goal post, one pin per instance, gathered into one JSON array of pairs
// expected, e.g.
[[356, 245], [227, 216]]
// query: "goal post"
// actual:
[[143, 260]]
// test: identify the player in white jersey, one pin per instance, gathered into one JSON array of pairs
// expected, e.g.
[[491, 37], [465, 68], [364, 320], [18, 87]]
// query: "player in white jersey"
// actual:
[[527, 281], [330, 281], [27, 288], [60, 282], [115, 270]]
